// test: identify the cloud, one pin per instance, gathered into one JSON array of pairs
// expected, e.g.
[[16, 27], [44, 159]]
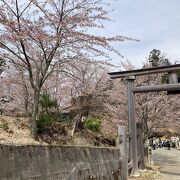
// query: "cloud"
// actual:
[[155, 23]]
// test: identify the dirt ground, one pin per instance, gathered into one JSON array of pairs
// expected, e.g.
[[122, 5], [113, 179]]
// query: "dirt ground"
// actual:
[[150, 173], [15, 130], [169, 162]]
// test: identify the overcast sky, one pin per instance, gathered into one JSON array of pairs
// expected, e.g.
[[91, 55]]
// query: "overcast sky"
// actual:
[[156, 23]]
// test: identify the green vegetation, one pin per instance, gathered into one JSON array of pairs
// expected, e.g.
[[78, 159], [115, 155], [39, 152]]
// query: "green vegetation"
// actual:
[[46, 120], [46, 102], [66, 116], [156, 58], [165, 78], [93, 124], [49, 112], [4, 126]]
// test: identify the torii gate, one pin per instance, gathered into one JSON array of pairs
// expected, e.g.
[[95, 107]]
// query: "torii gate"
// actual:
[[172, 88]]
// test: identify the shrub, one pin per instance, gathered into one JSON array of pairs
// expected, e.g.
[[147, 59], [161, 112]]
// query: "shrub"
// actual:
[[66, 117], [46, 120], [4, 126], [93, 124]]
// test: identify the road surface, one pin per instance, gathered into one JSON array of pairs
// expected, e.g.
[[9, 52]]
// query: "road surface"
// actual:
[[168, 161]]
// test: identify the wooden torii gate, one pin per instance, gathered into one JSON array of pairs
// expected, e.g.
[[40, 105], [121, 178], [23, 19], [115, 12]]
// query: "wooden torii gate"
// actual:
[[130, 76]]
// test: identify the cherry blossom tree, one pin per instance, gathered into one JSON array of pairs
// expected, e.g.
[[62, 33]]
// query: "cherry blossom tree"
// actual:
[[94, 94], [156, 109], [15, 86], [87, 90], [41, 36]]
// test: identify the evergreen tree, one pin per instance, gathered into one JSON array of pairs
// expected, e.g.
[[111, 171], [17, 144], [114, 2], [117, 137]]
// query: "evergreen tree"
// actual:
[[156, 58]]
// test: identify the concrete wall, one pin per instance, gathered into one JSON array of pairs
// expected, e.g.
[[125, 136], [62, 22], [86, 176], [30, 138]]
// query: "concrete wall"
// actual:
[[56, 163]]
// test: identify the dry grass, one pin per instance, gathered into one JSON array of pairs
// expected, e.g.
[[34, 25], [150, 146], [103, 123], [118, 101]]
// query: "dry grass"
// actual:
[[15, 131], [150, 173]]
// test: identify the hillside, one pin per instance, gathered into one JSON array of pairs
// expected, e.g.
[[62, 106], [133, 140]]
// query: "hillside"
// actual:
[[16, 130]]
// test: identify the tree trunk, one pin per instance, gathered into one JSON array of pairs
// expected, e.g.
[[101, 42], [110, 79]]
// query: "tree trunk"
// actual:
[[26, 106], [26, 99], [145, 122], [34, 116], [26, 109]]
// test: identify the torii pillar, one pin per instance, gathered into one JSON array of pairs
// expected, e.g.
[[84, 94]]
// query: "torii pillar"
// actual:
[[132, 124]]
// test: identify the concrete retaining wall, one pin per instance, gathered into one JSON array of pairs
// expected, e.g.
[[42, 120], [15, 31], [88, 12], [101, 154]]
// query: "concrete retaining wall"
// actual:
[[56, 163]]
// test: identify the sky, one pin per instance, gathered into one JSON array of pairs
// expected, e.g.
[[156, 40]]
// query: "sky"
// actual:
[[156, 23]]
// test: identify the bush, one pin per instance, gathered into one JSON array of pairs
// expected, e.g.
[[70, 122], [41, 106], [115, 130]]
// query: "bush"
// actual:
[[93, 124], [4, 126], [46, 120]]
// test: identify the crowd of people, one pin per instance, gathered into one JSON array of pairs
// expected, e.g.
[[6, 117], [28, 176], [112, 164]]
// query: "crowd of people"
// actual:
[[164, 142]]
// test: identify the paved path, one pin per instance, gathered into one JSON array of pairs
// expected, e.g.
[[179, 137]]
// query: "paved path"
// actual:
[[168, 161]]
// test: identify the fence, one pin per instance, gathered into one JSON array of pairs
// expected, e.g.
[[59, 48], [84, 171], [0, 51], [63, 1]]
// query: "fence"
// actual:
[[126, 148]]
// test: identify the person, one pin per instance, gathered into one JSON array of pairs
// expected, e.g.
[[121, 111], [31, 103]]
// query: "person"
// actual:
[[151, 142], [168, 144], [160, 144], [154, 144], [177, 143]]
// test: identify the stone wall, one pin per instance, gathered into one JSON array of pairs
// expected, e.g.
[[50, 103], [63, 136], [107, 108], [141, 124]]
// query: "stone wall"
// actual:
[[58, 162]]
